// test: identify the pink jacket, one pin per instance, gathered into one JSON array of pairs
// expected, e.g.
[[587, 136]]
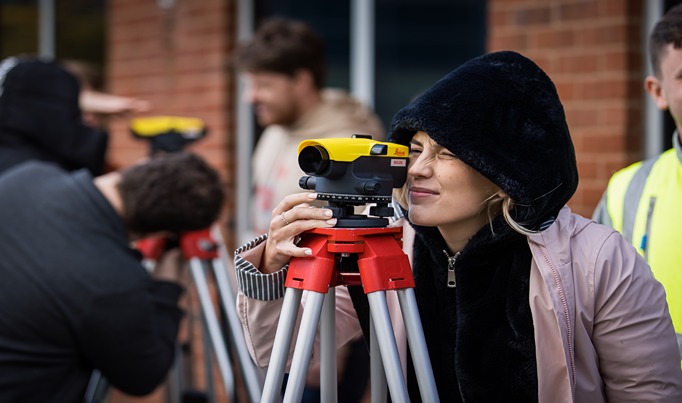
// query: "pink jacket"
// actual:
[[602, 328]]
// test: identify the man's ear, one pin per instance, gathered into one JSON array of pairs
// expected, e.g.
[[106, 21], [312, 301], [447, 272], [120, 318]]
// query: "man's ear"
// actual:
[[653, 86], [304, 78]]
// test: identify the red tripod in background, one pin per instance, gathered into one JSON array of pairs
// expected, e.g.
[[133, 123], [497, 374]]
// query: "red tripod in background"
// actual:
[[201, 250]]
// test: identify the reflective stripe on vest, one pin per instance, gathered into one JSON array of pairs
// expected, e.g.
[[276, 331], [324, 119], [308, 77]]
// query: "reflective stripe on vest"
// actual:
[[643, 202]]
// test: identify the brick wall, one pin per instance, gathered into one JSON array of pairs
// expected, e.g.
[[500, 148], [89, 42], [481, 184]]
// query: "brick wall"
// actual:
[[592, 49], [177, 58]]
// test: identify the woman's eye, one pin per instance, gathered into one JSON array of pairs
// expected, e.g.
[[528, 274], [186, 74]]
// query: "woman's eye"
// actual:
[[447, 155], [415, 151]]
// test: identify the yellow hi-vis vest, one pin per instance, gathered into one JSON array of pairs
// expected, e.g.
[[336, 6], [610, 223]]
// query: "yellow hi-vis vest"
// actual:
[[644, 203]]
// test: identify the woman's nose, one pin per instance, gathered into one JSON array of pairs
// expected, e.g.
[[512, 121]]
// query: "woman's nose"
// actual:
[[420, 166]]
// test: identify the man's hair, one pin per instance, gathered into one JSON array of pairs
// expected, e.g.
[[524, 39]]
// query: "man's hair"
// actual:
[[88, 74], [668, 30], [174, 192], [284, 46]]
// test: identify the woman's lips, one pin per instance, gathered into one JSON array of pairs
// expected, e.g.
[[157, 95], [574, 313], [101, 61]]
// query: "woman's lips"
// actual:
[[419, 192]]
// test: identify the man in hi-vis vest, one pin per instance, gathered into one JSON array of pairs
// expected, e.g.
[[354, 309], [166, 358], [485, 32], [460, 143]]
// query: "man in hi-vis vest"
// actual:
[[644, 200]]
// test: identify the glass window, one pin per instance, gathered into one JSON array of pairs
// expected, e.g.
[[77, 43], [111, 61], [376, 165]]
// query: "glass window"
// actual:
[[79, 26], [18, 27], [417, 41]]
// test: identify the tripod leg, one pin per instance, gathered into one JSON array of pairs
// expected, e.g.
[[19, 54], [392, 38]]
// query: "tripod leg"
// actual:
[[280, 346], [252, 376], [304, 347], [175, 377], [379, 389], [328, 379], [415, 338], [208, 363], [211, 322], [98, 388], [388, 347]]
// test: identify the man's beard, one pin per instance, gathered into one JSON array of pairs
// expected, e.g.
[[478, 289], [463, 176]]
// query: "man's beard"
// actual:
[[280, 116]]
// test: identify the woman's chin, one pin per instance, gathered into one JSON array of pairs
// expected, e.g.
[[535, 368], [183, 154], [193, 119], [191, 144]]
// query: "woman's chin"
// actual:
[[419, 219]]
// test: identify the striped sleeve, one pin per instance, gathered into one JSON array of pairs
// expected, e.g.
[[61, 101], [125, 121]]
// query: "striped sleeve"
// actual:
[[253, 283]]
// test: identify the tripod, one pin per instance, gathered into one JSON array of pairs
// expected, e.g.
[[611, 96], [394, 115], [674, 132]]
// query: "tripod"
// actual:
[[201, 250], [381, 266]]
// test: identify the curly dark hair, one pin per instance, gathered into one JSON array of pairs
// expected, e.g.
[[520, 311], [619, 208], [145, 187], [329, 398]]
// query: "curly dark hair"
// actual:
[[284, 46], [668, 30], [174, 192]]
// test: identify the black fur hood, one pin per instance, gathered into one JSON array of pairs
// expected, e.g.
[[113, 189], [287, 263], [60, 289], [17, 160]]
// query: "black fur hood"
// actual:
[[500, 114]]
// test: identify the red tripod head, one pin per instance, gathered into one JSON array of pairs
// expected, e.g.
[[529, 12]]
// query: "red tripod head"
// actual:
[[194, 244]]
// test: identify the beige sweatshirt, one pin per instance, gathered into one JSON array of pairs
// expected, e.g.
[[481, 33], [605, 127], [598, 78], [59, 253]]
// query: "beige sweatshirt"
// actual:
[[275, 159]]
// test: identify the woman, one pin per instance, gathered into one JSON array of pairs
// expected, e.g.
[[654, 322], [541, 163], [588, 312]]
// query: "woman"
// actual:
[[520, 299]]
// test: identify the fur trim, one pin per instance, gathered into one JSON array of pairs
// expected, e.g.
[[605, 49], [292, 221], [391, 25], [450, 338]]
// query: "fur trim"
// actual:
[[480, 334], [500, 114]]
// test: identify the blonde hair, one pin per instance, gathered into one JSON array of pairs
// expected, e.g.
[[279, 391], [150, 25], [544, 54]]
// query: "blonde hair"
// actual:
[[507, 207], [400, 196]]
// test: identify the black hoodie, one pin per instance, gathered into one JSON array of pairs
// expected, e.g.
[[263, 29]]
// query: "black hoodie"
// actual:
[[40, 118]]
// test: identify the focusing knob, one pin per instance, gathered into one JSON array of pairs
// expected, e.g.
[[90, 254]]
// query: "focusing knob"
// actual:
[[368, 187], [381, 211], [307, 182]]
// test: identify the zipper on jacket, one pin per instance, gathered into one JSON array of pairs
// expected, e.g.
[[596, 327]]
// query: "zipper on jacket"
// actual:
[[569, 331], [452, 281]]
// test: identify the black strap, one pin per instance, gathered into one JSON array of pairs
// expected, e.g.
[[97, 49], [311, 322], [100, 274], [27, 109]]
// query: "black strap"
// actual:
[[361, 305]]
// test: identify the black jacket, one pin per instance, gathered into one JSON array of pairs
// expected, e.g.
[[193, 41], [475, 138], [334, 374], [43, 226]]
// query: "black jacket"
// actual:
[[74, 295], [40, 119]]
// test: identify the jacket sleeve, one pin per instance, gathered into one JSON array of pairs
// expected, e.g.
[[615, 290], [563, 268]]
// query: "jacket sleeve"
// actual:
[[131, 336], [259, 313], [633, 333]]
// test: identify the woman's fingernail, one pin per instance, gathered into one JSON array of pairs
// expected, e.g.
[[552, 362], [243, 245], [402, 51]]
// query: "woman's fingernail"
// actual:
[[331, 221], [328, 212], [308, 252], [312, 195]]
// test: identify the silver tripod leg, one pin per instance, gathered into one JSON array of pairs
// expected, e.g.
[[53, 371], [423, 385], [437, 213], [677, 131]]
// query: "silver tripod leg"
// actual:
[[304, 347], [415, 338], [98, 388], [211, 323], [388, 347], [379, 391], [328, 379], [252, 376], [280, 346]]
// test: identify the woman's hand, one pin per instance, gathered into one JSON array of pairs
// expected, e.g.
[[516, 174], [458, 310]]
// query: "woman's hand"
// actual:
[[292, 216]]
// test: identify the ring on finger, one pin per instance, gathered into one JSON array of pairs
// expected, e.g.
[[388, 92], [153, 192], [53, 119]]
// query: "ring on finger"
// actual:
[[286, 222]]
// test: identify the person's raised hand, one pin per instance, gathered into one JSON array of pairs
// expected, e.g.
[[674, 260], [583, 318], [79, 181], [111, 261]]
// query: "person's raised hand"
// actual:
[[292, 217], [108, 104]]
